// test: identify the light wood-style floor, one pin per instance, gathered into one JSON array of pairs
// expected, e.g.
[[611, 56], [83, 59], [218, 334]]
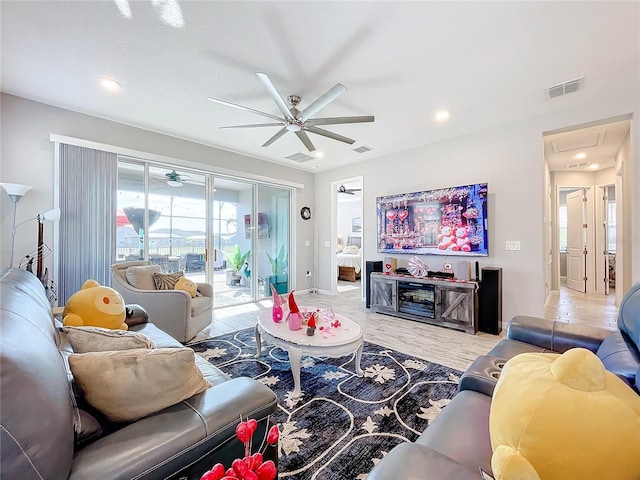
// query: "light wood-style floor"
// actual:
[[436, 344]]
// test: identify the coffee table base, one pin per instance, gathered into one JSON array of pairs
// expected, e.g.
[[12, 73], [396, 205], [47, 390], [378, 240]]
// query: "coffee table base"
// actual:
[[296, 352]]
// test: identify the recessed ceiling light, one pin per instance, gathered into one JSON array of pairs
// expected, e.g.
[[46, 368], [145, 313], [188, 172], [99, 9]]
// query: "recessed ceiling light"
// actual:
[[318, 154], [593, 166], [580, 156], [442, 115], [314, 167], [109, 84]]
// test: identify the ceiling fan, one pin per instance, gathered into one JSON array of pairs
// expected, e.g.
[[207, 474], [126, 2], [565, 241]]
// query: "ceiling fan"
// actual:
[[348, 191], [299, 121], [174, 179]]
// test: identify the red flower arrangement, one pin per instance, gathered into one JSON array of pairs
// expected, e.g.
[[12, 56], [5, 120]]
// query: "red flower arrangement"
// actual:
[[251, 467]]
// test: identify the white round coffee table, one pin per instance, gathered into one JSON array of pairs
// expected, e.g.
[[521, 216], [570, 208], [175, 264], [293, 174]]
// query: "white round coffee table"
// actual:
[[329, 341]]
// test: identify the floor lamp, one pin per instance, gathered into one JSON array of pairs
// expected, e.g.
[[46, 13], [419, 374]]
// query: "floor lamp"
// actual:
[[15, 192]]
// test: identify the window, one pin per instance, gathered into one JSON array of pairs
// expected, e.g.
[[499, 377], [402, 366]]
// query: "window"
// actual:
[[562, 227]]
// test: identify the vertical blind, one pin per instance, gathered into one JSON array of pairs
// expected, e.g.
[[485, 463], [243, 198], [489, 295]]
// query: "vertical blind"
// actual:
[[88, 202]]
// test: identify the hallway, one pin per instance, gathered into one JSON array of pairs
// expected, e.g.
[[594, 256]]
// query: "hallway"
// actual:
[[574, 307]]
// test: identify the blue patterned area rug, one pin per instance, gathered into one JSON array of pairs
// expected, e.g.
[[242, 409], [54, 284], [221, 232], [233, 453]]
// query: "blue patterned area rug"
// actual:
[[342, 424]]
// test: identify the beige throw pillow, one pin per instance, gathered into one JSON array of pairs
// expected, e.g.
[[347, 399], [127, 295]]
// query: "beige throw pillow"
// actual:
[[96, 339], [132, 384], [167, 281], [141, 276]]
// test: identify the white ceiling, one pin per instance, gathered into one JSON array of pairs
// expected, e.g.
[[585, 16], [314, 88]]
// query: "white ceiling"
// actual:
[[489, 63]]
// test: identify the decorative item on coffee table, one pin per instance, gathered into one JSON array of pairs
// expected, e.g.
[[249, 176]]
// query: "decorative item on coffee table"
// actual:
[[295, 317], [276, 311]]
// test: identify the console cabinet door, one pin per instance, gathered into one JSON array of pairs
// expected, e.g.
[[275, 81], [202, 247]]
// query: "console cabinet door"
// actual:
[[455, 305], [383, 294]]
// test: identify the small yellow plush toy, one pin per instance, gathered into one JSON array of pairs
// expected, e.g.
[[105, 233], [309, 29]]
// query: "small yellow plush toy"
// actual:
[[187, 285], [565, 417], [95, 306]]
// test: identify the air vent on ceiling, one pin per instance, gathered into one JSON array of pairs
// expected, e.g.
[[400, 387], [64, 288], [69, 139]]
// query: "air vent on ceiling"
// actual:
[[577, 164], [299, 157], [565, 87], [362, 149]]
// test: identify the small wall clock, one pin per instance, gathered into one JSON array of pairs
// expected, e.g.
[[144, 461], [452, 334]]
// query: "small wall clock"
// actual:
[[305, 213]]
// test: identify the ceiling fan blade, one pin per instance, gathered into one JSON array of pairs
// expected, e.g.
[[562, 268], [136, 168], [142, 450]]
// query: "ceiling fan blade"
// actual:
[[253, 125], [304, 138], [264, 79], [278, 134], [327, 133], [322, 101], [337, 120], [234, 105]]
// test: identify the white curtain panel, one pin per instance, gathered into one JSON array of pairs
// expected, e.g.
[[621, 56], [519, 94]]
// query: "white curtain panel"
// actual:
[[88, 185]]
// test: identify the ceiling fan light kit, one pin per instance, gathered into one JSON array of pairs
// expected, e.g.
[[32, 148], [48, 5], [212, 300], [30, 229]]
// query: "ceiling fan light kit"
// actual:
[[299, 121], [174, 179]]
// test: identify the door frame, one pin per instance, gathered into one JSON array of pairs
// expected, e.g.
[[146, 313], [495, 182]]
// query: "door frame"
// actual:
[[334, 232], [602, 236]]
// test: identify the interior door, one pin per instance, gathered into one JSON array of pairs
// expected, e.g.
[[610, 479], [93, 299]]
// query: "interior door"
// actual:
[[576, 240]]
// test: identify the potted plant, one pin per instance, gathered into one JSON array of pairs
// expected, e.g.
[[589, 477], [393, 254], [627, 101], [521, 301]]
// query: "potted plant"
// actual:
[[236, 260], [279, 266]]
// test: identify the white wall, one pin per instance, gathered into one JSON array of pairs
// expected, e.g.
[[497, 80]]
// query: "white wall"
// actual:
[[510, 159], [27, 157], [347, 211]]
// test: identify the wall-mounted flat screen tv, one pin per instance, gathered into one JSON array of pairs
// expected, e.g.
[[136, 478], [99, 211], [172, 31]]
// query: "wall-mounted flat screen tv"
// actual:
[[446, 221]]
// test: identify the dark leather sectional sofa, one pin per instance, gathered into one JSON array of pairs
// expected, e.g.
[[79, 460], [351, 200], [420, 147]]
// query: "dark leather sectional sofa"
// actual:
[[457, 444], [37, 430]]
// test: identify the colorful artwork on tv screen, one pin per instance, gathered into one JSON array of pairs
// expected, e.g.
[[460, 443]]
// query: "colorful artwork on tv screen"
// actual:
[[447, 221]]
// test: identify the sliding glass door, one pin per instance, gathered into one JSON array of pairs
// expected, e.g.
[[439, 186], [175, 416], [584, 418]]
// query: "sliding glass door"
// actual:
[[232, 241], [273, 235], [230, 232], [172, 234]]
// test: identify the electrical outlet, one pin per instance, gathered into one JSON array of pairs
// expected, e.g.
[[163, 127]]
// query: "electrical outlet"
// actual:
[[308, 273], [512, 245]]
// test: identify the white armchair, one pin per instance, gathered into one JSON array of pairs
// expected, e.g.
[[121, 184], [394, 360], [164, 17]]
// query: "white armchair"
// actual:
[[173, 311]]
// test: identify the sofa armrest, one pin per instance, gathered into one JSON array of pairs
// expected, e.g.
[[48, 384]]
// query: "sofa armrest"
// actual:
[[197, 431], [555, 335]]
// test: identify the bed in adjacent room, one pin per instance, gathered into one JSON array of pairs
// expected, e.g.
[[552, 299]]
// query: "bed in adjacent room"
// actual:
[[350, 260]]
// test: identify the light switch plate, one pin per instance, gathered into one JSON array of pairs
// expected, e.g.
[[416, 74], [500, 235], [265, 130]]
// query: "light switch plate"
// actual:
[[512, 245], [327, 243]]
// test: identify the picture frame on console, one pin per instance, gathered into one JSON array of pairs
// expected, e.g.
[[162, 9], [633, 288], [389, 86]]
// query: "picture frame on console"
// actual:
[[444, 221]]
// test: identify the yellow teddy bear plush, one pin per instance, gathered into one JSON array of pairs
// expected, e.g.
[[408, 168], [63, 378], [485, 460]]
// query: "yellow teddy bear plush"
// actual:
[[95, 305], [187, 285], [565, 417]]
